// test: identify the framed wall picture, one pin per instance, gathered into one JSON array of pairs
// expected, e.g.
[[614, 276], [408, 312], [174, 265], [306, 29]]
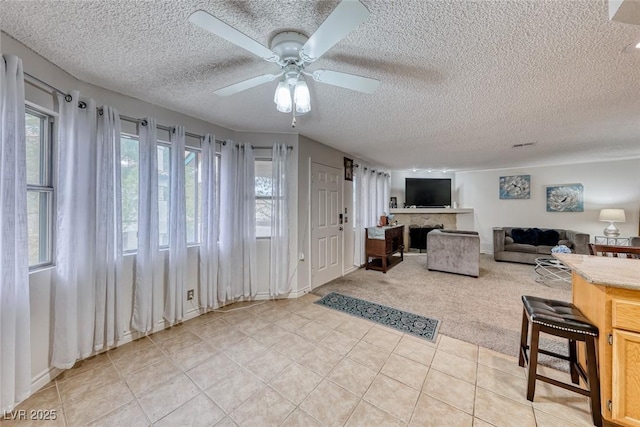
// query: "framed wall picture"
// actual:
[[565, 198], [348, 169], [515, 187]]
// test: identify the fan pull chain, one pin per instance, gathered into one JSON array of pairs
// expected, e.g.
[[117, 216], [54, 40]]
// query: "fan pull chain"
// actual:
[[293, 115]]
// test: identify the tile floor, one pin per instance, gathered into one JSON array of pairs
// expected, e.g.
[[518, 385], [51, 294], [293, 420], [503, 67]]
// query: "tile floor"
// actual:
[[294, 363]]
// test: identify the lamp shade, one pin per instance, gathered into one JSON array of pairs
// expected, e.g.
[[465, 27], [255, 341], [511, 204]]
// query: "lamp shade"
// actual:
[[282, 97], [301, 97], [612, 215]]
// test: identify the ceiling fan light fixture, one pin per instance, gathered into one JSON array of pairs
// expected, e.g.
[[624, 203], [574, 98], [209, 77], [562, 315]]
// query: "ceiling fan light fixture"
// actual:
[[282, 98], [301, 97]]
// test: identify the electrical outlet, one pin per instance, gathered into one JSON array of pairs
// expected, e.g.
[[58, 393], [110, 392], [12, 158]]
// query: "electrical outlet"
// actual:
[[189, 294]]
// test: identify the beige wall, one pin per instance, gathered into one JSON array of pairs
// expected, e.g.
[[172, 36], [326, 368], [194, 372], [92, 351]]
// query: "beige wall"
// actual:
[[313, 151], [612, 184]]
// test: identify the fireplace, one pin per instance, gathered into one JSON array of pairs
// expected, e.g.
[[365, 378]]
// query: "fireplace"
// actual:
[[418, 236]]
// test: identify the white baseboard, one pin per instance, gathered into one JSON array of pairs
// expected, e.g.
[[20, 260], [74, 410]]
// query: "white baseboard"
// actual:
[[47, 375], [262, 296], [350, 269], [43, 378]]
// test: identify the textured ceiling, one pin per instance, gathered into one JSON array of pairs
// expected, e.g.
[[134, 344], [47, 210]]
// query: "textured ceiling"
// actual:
[[461, 81]]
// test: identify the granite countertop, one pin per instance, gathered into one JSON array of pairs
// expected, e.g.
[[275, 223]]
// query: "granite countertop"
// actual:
[[607, 271]]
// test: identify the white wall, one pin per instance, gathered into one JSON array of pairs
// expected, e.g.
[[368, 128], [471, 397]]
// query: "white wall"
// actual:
[[40, 281], [398, 177], [614, 184]]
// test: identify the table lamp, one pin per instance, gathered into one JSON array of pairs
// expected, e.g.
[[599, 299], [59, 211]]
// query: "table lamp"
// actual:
[[611, 216]]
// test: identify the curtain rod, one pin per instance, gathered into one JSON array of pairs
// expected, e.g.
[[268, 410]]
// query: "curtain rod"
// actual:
[[143, 122], [264, 147], [69, 98]]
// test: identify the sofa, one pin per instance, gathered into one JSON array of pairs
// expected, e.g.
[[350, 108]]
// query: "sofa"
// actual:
[[454, 251], [524, 245]]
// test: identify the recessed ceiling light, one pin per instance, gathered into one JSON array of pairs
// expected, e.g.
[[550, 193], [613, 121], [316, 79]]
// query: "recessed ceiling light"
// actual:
[[638, 45]]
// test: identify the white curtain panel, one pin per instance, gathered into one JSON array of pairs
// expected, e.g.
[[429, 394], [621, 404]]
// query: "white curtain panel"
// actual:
[[386, 184], [358, 247], [74, 274], [147, 280], [237, 216], [15, 341], [383, 207], [177, 278], [247, 203], [373, 198], [208, 291], [279, 283], [109, 326]]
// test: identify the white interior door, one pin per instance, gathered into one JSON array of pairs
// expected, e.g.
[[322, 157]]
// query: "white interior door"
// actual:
[[326, 230]]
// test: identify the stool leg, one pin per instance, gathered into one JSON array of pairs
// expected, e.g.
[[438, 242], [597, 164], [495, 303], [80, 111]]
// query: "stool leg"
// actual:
[[594, 381], [533, 361], [523, 337], [573, 361]]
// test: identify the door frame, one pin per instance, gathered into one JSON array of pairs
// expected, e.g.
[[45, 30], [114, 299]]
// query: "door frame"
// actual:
[[310, 213]]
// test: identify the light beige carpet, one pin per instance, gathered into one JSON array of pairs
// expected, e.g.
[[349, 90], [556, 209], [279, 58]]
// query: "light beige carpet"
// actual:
[[486, 311]]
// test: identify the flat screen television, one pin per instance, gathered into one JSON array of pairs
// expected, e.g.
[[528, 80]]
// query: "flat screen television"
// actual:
[[428, 192]]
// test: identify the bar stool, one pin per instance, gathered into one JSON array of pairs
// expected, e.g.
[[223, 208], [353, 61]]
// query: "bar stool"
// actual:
[[560, 319]]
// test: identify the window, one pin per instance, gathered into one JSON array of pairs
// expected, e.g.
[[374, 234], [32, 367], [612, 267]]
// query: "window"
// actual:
[[130, 170], [38, 137], [192, 191], [264, 197], [164, 192]]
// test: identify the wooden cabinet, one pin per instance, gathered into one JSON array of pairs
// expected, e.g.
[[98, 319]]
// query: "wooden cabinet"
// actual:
[[381, 247], [616, 313], [626, 378]]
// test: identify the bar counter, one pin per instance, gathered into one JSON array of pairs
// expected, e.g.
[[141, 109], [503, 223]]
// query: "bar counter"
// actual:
[[607, 291]]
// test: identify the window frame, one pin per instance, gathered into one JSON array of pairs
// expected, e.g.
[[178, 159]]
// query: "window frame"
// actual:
[[164, 144], [197, 202], [47, 141], [135, 137], [264, 159]]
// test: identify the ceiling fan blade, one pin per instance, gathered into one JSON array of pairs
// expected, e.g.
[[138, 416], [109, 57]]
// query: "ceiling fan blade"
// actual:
[[347, 81], [246, 84], [344, 19], [212, 24]]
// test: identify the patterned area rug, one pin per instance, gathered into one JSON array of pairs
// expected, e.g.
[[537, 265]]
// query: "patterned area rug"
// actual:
[[403, 321]]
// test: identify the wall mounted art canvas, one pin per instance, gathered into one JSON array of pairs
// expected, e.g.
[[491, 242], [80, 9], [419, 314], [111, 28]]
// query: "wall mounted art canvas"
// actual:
[[515, 187], [565, 198]]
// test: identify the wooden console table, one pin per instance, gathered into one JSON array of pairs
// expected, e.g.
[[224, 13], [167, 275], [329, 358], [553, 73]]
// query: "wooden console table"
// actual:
[[381, 244], [607, 291]]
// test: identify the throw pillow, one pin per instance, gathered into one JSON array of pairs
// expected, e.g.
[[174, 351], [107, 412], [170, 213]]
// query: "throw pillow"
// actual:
[[567, 243], [518, 235], [508, 240], [549, 238], [533, 236]]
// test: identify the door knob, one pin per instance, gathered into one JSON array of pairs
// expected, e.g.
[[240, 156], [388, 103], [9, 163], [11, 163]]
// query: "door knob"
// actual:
[[340, 228]]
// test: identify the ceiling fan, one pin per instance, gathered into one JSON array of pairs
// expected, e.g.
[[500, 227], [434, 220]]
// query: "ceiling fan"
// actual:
[[293, 52]]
